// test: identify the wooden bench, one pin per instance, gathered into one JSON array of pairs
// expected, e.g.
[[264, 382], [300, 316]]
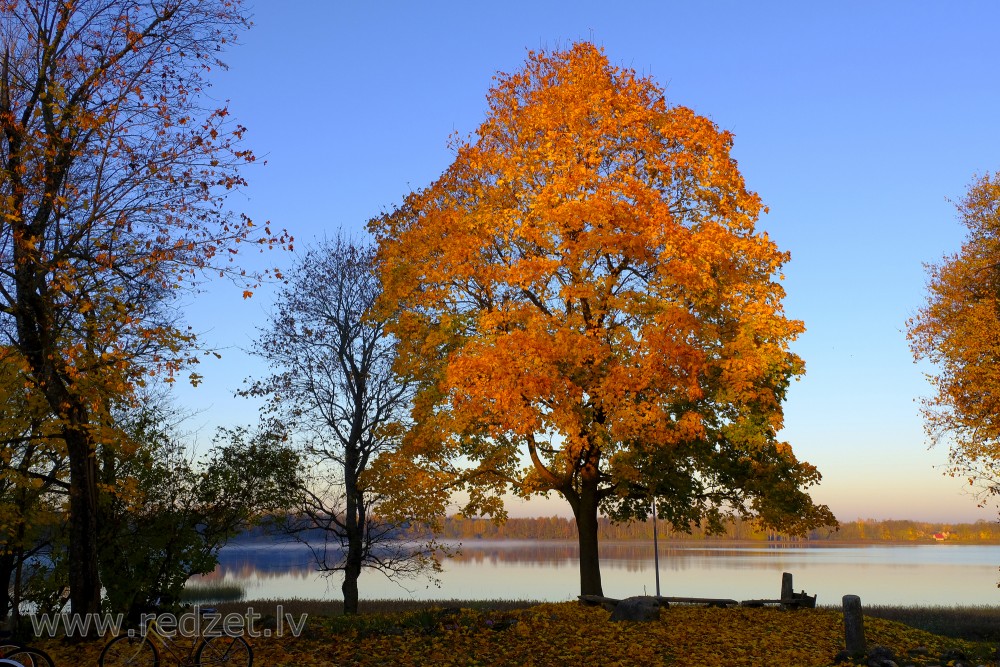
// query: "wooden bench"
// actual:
[[711, 602], [789, 599], [796, 601]]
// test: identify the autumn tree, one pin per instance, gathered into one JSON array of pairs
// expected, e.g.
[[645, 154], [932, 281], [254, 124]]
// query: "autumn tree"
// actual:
[[112, 178], [335, 392], [585, 307], [958, 331]]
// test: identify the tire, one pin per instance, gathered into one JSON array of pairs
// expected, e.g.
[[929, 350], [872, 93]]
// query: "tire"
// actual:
[[27, 656], [7, 647], [224, 651], [128, 651]]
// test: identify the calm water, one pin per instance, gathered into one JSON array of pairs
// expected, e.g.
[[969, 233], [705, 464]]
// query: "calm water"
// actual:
[[931, 574]]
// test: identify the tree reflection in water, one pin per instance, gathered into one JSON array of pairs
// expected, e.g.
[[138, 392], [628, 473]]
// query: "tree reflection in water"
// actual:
[[547, 570]]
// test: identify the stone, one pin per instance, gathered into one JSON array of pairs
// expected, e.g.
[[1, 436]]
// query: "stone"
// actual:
[[881, 656], [954, 654], [502, 624], [639, 608], [842, 656]]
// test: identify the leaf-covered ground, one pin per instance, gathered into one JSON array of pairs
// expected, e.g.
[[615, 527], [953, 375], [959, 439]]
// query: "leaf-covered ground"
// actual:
[[570, 633]]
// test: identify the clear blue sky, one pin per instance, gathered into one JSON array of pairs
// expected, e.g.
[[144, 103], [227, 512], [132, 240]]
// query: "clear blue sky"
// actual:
[[855, 121]]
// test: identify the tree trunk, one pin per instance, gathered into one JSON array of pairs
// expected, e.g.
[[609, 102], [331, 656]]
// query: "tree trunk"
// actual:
[[6, 575], [15, 600], [584, 506], [84, 577], [352, 571], [37, 334], [354, 529], [353, 525]]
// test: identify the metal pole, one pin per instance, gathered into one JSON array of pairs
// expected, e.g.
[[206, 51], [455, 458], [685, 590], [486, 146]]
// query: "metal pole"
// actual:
[[656, 551]]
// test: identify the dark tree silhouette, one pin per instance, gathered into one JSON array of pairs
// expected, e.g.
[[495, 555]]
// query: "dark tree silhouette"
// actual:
[[335, 389]]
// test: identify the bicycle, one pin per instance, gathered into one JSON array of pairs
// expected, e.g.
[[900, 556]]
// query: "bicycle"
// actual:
[[26, 656], [141, 651]]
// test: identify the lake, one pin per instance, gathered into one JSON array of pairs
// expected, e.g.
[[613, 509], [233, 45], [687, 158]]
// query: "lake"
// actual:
[[925, 574]]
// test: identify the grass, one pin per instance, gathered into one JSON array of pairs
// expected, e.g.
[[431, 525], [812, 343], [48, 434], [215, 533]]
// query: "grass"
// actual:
[[969, 623], [972, 623], [332, 608]]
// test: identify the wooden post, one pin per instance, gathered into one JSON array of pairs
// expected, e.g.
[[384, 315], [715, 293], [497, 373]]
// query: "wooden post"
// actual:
[[786, 586], [854, 627], [786, 590]]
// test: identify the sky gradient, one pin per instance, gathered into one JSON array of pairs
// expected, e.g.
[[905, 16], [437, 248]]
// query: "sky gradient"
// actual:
[[855, 122]]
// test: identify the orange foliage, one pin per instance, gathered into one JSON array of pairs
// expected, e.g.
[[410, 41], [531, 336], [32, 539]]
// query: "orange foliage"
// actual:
[[112, 181], [958, 330], [584, 286]]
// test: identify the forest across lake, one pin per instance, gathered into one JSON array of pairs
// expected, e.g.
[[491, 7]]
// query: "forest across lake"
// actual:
[[462, 528]]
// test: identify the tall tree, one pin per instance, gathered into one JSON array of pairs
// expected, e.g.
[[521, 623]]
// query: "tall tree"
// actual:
[[958, 331], [112, 178], [334, 390], [583, 289]]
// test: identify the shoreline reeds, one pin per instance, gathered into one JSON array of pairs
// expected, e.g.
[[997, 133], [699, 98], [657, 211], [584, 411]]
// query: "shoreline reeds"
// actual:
[[200, 593]]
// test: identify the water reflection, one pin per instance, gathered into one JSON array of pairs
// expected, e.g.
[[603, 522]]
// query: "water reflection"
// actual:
[[895, 574]]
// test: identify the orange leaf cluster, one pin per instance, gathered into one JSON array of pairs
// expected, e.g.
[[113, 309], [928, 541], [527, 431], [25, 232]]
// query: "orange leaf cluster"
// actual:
[[958, 330], [585, 280]]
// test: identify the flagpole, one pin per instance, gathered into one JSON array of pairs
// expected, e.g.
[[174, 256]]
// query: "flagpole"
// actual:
[[656, 551]]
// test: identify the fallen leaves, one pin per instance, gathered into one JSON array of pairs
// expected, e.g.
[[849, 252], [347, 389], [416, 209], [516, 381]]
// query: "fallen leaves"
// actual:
[[571, 633]]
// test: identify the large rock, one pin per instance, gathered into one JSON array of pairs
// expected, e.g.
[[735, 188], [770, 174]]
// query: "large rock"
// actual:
[[640, 608]]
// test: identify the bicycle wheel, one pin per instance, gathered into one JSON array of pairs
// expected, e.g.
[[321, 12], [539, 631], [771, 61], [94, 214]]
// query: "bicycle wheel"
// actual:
[[128, 651], [9, 647], [224, 650], [29, 657]]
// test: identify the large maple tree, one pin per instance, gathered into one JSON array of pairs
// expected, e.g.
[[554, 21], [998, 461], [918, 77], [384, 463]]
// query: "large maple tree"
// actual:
[[113, 173], [587, 308], [958, 331]]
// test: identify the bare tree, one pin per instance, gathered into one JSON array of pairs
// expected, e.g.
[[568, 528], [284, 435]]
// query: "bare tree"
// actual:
[[334, 389]]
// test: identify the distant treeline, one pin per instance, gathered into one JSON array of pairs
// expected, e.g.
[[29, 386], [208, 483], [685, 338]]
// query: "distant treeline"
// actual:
[[862, 530], [560, 528]]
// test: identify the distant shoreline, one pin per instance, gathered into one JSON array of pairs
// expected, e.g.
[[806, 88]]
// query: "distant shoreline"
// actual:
[[458, 528], [726, 541], [278, 540]]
